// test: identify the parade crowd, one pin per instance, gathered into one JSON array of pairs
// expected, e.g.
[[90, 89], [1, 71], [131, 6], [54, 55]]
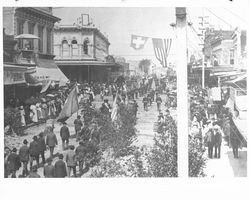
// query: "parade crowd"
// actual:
[[87, 133]]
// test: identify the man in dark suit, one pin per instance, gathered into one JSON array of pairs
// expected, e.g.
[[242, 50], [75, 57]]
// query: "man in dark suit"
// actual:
[[60, 168], [24, 157], [34, 151], [64, 133], [13, 162], [78, 126], [42, 146], [51, 142]]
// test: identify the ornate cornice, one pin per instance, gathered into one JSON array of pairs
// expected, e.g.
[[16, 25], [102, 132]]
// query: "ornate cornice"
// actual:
[[33, 18]]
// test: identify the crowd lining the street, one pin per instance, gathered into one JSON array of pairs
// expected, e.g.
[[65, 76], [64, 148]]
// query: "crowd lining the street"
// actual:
[[86, 134], [210, 123]]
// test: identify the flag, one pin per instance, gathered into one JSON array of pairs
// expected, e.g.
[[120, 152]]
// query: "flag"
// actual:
[[114, 109], [138, 42], [71, 105], [161, 49], [46, 85]]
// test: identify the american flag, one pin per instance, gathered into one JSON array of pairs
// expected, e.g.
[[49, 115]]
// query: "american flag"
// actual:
[[161, 49]]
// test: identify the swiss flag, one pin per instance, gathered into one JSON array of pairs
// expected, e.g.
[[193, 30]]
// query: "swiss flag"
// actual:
[[138, 42]]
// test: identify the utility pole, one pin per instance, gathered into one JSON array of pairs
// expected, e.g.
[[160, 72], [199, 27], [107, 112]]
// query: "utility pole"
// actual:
[[202, 27], [182, 91]]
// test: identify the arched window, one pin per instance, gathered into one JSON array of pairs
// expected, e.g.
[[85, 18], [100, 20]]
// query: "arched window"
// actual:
[[65, 48], [74, 48], [86, 46]]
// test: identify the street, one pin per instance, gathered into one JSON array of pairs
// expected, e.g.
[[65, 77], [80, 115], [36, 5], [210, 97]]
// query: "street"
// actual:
[[145, 128]]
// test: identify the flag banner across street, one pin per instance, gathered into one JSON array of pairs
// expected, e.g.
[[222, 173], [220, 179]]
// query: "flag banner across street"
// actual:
[[161, 47]]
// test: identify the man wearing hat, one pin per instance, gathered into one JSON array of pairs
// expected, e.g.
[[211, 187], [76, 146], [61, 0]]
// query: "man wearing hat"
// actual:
[[64, 133], [33, 172], [42, 146], [217, 140], [60, 168], [13, 162], [78, 126], [49, 170], [80, 154], [51, 142], [34, 151], [24, 157]]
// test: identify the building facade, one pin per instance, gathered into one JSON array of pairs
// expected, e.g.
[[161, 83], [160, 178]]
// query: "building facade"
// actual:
[[82, 53], [217, 49], [28, 61]]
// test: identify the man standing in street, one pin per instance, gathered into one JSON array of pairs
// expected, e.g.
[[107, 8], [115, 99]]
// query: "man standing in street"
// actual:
[[64, 133], [34, 152], [145, 103], [217, 141], [51, 142], [78, 127], [49, 170], [158, 102], [80, 155], [13, 162], [60, 168], [24, 157], [42, 146], [71, 160]]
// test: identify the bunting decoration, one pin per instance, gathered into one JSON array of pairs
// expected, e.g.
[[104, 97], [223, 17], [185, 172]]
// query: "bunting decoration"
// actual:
[[138, 42], [161, 49]]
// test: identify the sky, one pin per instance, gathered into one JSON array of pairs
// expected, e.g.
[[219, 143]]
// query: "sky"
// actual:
[[153, 22]]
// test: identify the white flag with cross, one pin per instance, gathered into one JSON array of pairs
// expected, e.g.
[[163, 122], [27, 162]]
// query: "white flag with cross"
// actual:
[[138, 42]]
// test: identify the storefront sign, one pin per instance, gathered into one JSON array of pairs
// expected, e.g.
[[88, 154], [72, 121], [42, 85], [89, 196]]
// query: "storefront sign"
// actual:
[[13, 77]]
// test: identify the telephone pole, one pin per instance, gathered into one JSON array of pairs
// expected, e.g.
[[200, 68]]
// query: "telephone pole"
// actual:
[[202, 28], [182, 91]]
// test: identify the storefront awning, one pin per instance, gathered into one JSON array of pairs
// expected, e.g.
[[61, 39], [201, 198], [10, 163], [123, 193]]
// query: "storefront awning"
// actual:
[[241, 102], [243, 77], [47, 70], [15, 74]]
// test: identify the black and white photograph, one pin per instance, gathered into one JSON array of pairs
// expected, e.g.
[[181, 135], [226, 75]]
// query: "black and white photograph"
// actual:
[[90, 92], [217, 93]]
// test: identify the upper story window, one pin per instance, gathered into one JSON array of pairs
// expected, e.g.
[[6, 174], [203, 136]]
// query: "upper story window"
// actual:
[[86, 46], [40, 35], [65, 48], [20, 24], [74, 48], [31, 27]]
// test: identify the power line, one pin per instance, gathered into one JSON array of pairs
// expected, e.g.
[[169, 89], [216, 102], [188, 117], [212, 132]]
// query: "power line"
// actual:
[[243, 20], [220, 18]]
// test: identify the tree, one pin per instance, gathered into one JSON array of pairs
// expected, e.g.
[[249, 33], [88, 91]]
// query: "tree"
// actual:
[[196, 159], [144, 65], [163, 156]]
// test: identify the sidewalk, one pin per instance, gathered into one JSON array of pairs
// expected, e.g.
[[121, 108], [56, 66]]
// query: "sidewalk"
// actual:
[[227, 165]]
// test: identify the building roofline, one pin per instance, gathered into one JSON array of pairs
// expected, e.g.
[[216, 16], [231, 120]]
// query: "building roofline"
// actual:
[[43, 13], [74, 27]]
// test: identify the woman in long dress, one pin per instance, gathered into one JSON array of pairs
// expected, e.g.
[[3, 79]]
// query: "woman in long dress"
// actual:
[[22, 113], [34, 117]]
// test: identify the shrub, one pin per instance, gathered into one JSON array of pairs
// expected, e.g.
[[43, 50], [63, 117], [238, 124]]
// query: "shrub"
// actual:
[[163, 156], [196, 158], [12, 117]]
